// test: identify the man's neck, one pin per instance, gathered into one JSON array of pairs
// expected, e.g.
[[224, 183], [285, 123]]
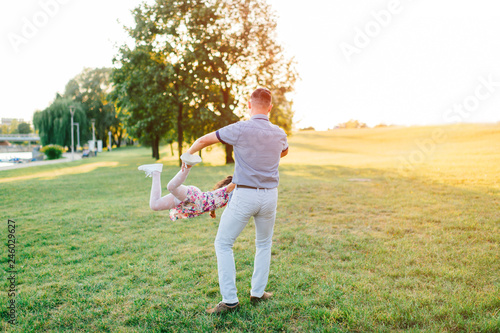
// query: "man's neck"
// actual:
[[256, 112]]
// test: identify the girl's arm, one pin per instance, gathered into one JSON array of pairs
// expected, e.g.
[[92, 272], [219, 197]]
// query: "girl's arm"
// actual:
[[229, 189]]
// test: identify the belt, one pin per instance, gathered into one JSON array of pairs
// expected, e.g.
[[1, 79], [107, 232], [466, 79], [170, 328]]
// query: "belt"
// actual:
[[253, 188]]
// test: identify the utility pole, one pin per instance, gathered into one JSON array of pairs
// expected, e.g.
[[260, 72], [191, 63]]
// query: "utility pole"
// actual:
[[93, 135], [72, 111], [77, 135], [109, 144]]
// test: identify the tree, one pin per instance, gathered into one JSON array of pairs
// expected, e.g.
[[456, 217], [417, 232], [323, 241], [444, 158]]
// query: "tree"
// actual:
[[140, 88], [53, 124], [118, 130], [240, 53], [217, 53], [282, 112], [353, 124], [161, 37], [91, 88], [24, 128]]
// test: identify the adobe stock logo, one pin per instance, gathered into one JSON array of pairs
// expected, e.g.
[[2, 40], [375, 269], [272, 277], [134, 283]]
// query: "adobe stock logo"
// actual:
[[425, 148], [31, 26], [461, 111], [372, 29]]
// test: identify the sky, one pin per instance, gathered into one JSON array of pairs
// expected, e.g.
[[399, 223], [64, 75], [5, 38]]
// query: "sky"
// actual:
[[402, 62]]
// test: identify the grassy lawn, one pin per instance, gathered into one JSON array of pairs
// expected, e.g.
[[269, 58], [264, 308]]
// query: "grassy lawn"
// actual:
[[414, 249]]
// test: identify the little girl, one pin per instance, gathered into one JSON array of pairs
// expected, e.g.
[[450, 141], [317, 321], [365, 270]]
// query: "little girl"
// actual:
[[186, 201]]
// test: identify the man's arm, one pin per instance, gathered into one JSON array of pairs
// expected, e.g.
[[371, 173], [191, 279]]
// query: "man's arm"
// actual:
[[203, 142]]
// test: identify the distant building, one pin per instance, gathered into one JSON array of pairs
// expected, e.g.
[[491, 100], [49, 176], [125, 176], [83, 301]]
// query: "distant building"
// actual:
[[8, 121]]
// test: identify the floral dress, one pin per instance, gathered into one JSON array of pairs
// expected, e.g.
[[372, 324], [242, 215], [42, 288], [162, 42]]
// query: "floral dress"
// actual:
[[198, 202]]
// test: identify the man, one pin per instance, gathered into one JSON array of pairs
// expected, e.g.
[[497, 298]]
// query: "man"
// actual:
[[258, 147]]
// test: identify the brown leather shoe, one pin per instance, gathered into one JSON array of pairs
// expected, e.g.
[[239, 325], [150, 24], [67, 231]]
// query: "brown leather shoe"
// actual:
[[222, 307], [264, 297]]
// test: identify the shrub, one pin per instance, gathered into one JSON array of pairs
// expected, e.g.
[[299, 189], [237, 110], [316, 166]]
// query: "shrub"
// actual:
[[53, 152]]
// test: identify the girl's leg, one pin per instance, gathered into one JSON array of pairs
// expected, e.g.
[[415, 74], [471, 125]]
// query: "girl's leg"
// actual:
[[156, 202], [175, 185]]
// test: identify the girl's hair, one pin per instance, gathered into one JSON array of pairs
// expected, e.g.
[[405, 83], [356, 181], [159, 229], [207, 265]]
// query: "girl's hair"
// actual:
[[226, 181]]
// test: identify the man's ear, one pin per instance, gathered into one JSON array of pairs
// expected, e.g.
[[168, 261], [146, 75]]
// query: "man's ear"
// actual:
[[249, 105], [270, 107]]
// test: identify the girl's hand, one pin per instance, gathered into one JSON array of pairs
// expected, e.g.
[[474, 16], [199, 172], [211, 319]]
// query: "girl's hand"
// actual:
[[230, 187], [184, 166], [212, 214]]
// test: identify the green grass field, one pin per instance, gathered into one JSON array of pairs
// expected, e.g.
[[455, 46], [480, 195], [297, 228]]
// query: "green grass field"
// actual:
[[415, 249]]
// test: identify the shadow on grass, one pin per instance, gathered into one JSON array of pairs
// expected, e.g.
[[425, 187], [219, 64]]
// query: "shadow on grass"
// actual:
[[318, 148]]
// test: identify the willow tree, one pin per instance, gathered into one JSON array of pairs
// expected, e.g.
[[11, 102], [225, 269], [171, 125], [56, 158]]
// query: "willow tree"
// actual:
[[54, 123], [217, 51]]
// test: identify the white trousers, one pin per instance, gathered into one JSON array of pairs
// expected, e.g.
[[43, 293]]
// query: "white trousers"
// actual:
[[245, 203]]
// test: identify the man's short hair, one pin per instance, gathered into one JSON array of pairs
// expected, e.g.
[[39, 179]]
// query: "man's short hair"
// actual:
[[261, 98]]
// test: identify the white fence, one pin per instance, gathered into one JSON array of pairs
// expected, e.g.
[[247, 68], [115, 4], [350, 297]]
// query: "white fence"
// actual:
[[19, 137], [15, 149]]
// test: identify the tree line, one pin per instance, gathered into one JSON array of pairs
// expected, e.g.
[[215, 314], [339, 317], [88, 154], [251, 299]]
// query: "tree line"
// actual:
[[190, 71]]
